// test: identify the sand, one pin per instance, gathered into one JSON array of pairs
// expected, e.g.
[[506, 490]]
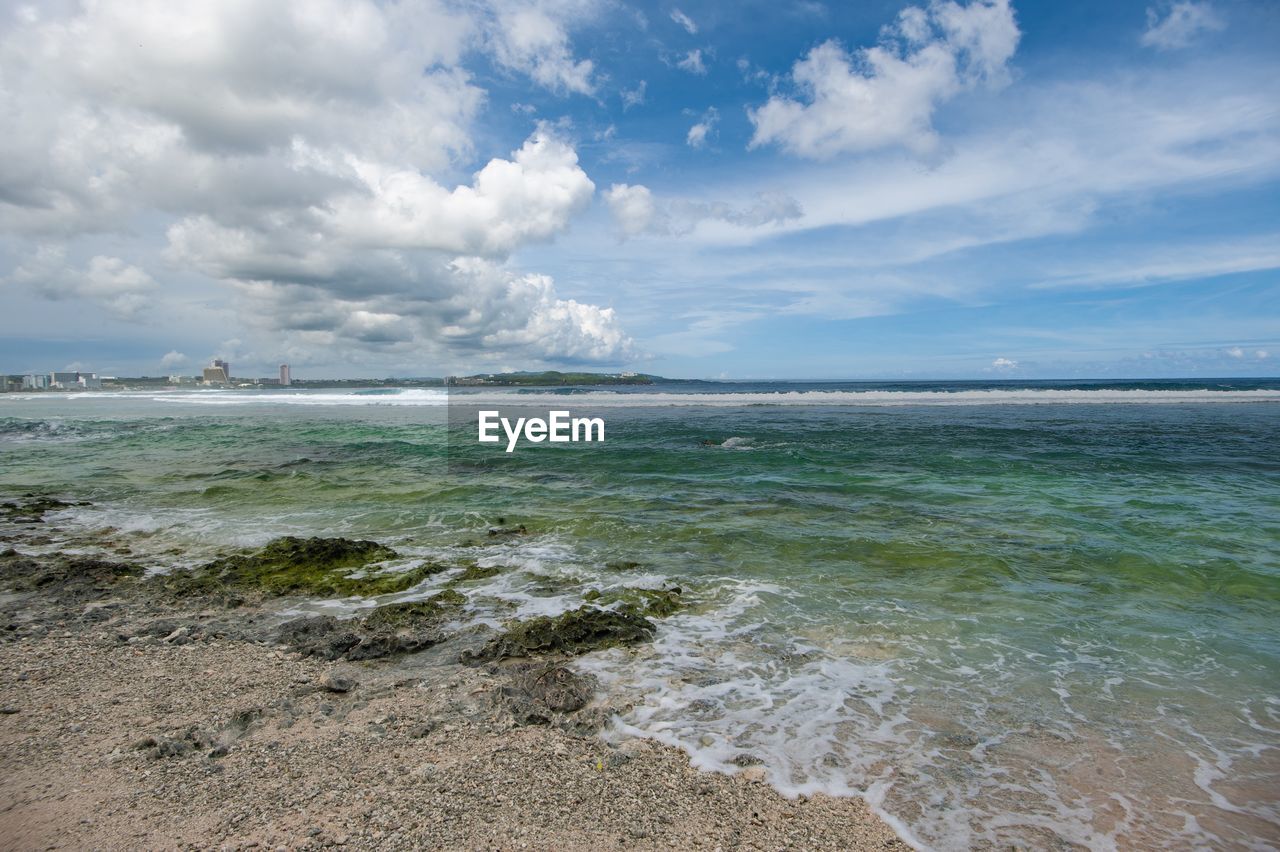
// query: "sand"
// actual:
[[120, 732]]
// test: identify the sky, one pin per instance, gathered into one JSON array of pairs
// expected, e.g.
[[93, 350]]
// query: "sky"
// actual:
[[746, 190]]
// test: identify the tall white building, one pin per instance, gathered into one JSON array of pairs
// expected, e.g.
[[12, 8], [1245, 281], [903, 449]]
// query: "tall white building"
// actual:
[[284, 376]]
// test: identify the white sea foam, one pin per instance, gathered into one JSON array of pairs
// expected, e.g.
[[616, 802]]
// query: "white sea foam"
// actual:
[[394, 397], [435, 397]]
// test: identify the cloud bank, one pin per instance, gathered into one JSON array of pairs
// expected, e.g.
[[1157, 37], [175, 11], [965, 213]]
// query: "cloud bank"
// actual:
[[305, 154]]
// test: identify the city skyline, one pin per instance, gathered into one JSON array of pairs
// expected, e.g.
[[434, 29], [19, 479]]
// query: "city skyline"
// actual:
[[890, 190]]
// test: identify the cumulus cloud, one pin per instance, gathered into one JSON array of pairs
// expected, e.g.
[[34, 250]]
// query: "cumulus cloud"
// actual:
[[632, 207], [173, 358], [1004, 364], [685, 21], [304, 153], [1179, 24], [885, 96], [703, 129], [636, 212], [124, 290], [531, 36]]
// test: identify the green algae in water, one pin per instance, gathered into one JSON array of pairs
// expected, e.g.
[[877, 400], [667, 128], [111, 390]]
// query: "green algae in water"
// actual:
[[395, 616], [316, 567]]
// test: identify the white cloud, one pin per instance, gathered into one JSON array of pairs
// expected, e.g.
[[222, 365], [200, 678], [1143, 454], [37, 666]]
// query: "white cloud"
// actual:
[[1180, 25], [685, 21], [1160, 264], [173, 358], [634, 97], [530, 197], [885, 96], [1235, 352], [124, 290], [1262, 354], [304, 153], [1060, 152], [700, 132], [636, 212], [632, 207], [692, 62], [531, 36], [1004, 364]]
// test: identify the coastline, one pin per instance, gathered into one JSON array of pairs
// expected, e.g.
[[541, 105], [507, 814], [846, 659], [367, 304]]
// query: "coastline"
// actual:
[[135, 718]]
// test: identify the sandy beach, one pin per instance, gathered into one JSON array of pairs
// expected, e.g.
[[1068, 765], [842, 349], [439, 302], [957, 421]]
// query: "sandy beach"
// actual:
[[135, 718]]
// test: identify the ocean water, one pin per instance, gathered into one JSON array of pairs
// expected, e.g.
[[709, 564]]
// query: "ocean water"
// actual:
[[1044, 614]]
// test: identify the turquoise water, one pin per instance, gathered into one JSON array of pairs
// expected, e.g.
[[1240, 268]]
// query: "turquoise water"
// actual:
[[1037, 614]]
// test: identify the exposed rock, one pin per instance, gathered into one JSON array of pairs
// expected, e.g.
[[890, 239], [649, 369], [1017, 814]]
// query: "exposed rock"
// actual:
[[198, 738], [31, 508], [540, 693], [180, 636], [495, 532], [399, 628], [318, 636], [575, 632], [382, 644], [397, 616], [334, 682], [72, 578]]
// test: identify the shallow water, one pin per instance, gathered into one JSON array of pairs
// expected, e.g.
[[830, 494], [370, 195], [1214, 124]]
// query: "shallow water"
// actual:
[[1041, 614]]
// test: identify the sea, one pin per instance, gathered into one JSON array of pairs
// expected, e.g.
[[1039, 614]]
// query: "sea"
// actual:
[[1038, 614]]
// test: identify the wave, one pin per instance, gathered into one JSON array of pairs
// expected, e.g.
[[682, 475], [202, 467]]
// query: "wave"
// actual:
[[431, 397], [376, 397]]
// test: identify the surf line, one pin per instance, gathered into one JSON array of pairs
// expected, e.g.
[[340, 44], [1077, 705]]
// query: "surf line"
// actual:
[[558, 427]]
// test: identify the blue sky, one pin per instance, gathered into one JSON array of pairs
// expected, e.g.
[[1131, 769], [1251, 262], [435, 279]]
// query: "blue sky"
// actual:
[[748, 190]]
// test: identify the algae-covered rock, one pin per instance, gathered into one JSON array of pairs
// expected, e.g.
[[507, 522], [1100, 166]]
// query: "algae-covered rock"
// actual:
[[413, 613], [318, 567], [571, 633], [476, 572], [32, 507], [654, 603], [657, 603], [622, 565], [398, 628]]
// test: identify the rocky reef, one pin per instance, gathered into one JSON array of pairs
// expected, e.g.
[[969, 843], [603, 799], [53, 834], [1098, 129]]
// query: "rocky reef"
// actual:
[[31, 508], [313, 567], [398, 628], [569, 634]]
